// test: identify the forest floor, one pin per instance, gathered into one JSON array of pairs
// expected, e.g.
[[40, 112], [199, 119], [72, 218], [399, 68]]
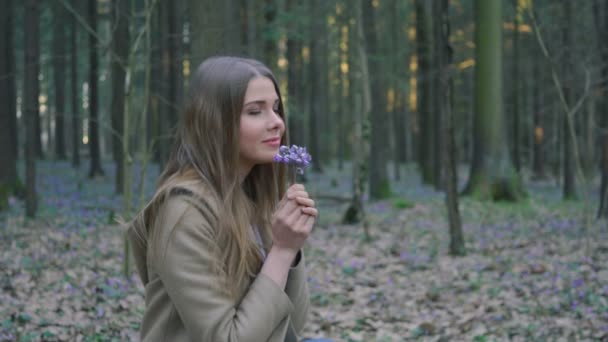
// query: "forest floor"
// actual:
[[534, 270]]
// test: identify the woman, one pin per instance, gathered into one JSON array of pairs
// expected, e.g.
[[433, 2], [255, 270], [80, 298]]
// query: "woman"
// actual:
[[218, 247]]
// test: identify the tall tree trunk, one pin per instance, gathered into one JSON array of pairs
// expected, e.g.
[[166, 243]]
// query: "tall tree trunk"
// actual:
[[425, 85], [294, 84], [515, 90], [120, 47], [154, 105], [11, 79], [232, 28], [539, 129], [8, 152], [492, 175], [270, 36], [30, 100], [601, 22], [205, 19], [355, 212], [251, 31], [76, 123], [438, 95], [569, 190], [379, 183], [94, 148], [59, 60], [445, 56], [316, 85]]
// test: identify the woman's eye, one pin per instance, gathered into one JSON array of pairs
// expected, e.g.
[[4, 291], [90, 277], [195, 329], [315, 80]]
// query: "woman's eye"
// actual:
[[254, 112]]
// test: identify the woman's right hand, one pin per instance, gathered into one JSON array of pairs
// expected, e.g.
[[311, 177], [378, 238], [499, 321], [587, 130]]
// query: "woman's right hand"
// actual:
[[294, 219]]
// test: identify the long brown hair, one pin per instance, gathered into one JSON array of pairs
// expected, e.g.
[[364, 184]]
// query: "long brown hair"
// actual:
[[205, 160]]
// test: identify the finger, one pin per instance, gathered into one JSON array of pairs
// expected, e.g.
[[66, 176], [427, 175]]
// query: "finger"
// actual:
[[307, 202], [295, 187], [310, 211], [309, 223], [296, 194]]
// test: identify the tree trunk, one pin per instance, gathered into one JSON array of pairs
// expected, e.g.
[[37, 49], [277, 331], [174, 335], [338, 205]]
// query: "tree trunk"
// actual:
[[59, 78], [569, 190], [154, 105], [444, 57], [379, 183], [76, 123], [232, 28], [492, 175], [30, 100], [425, 85], [601, 19], [94, 148], [120, 47], [294, 66], [355, 212], [206, 39], [251, 29], [8, 152], [11, 78], [439, 93], [538, 116], [270, 36], [316, 85], [515, 91]]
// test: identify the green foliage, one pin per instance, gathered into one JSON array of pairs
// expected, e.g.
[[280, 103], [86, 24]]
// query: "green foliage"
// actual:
[[402, 203]]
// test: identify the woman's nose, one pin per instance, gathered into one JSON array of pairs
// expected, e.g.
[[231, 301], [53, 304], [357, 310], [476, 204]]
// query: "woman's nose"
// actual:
[[277, 122]]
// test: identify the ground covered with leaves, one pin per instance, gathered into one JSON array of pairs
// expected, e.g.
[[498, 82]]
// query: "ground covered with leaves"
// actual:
[[534, 270]]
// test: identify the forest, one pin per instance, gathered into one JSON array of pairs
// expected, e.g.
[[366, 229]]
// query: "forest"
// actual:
[[460, 159]]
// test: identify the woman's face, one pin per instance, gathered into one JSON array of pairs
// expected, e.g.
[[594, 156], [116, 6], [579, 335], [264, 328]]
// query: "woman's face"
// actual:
[[261, 125]]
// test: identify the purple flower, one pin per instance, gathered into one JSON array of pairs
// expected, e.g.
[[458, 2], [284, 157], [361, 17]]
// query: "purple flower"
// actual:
[[294, 155]]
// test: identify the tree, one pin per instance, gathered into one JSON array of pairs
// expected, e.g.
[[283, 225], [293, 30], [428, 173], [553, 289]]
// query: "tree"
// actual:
[[76, 123], [569, 190], [59, 78], [316, 82], [538, 158], [30, 101], [601, 23], [379, 183], [492, 175], [8, 125], [206, 17], [361, 94], [439, 93], [425, 85], [96, 169], [515, 89], [120, 48], [294, 71], [444, 57]]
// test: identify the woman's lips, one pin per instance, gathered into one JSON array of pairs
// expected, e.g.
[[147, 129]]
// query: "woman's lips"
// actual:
[[273, 142]]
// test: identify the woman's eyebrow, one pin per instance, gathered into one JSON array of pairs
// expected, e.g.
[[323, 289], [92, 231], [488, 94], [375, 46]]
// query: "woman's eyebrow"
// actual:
[[260, 102]]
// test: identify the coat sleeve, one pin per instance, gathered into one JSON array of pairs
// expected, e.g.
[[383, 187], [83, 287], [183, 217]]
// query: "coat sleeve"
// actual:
[[185, 267], [297, 290]]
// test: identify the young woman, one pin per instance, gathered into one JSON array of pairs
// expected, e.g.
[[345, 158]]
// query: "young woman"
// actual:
[[218, 247]]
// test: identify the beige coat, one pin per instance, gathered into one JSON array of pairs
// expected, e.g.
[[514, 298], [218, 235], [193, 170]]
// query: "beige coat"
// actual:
[[182, 294]]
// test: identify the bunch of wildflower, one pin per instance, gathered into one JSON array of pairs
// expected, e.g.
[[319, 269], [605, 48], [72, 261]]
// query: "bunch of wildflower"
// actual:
[[295, 156]]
